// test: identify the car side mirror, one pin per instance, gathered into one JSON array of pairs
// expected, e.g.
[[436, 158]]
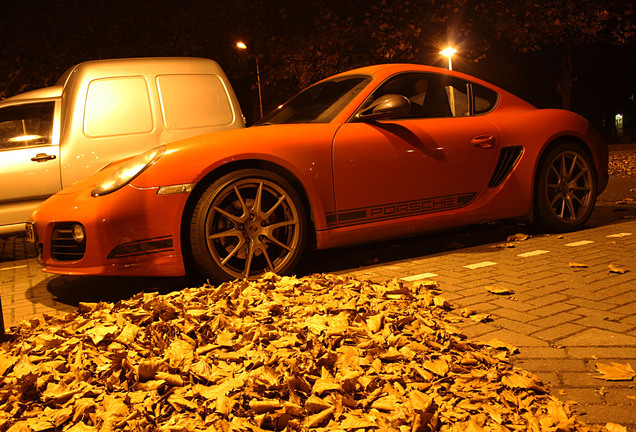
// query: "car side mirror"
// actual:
[[386, 107]]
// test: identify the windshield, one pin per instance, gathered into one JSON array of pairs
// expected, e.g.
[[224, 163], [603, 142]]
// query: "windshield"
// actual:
[[319, 103]]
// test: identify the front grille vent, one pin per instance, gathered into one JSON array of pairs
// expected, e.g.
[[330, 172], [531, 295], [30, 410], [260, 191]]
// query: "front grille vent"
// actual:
[[507, 160], [64, 247]]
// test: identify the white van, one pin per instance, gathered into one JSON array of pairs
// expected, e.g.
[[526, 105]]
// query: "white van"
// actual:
[[101, 111]]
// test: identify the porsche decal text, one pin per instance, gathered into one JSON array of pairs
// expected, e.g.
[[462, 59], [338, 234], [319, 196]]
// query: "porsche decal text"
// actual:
[[397, 210]]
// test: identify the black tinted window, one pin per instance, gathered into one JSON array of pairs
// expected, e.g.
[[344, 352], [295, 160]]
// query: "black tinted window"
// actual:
[[26, 125], [430, 95], [484, 99], [319, 103]]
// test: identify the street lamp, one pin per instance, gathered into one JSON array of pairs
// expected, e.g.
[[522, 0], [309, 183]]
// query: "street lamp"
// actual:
[[448, 52], [241, 45]]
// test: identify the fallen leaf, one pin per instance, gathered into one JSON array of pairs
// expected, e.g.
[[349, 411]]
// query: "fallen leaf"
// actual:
[[466, 312], [505, 246], [577, 265], [499, 290], [481, 317], [518, 237], [615, 372], [614, 269], [613, 427]]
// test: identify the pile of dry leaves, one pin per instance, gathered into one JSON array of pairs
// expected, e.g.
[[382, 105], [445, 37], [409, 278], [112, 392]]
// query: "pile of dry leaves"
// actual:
[[320, 353], [622, 162]]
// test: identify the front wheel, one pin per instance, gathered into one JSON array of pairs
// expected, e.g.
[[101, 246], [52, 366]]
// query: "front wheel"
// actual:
[[245, 224], [566, 188]]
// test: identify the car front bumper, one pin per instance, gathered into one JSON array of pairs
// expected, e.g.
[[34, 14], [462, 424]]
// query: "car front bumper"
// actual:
[[130, 232]]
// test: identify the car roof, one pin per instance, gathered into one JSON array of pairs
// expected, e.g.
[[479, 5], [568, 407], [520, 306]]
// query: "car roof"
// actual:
[[387, 69], [35, 95]]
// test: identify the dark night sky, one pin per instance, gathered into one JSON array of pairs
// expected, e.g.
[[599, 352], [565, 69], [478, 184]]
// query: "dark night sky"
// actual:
[[41, 38]]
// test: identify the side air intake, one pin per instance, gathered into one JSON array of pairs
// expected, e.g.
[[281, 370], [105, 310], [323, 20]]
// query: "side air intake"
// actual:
[[507, 160]]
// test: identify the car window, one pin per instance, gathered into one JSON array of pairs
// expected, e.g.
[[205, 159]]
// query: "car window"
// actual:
[[319, 103], [117, 106], [189, 101], [434, 95], [26, 125], [485, 99]]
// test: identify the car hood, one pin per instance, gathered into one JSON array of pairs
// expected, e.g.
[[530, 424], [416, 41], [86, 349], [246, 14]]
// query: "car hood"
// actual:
[[188, 161]]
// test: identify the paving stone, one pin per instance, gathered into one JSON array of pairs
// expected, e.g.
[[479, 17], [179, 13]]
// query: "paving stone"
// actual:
[[552, 365], [544, 291], [598, 337], [588, 295], [514, 314], [476, 330], [513, 338], [629, 296], [600, 413], [555, 320], [542, 352], [586, 379], [548, 300], [551, 379], [607, 324], [591, 304], [621, 395], [513, 305], [578, 395], [523, 328], [558, 332], [599, 352], [479, 303]]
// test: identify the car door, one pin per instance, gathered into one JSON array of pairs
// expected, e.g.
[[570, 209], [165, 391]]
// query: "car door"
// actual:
[[438, 158], [29, 159]]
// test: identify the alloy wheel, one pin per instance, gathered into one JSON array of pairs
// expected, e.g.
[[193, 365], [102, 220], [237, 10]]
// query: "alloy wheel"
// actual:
[[253, 226]]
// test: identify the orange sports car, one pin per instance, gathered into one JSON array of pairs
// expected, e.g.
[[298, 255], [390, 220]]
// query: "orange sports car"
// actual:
[[374, 153]]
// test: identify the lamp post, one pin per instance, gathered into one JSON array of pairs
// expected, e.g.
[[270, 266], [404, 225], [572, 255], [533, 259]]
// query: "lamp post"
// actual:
[[448, 52], [241, 45]]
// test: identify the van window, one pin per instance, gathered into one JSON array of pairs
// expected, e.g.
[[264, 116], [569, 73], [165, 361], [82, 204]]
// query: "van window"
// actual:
[[26, 125], [190, 101], [117, 106]]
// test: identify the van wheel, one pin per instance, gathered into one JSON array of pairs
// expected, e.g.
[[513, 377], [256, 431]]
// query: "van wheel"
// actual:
[[246, 224], [566, 188]]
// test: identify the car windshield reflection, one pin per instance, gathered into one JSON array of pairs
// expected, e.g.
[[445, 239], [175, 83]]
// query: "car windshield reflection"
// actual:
[[319, 103]]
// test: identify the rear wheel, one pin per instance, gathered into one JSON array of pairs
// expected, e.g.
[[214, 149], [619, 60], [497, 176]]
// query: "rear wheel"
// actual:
[[566, 188], [245, 224]]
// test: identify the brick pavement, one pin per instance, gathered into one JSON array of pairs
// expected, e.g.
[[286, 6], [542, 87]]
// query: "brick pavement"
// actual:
[[563, 318]]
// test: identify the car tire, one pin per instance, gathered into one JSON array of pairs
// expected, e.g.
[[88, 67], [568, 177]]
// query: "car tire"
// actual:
[[566, 188], [245, 224]]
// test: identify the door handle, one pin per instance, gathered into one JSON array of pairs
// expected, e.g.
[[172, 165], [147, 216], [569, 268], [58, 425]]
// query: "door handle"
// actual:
[[484, 141], [43, 157]]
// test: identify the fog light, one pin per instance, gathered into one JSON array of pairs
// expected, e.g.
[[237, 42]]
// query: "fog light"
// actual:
[[78, 233]]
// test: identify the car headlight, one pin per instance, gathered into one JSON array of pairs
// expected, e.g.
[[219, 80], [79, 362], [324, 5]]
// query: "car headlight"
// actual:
[[128, 171]]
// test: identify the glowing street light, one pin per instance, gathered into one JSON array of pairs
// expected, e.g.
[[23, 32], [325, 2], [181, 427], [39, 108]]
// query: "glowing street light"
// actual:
[[241, 45], [448, 52]]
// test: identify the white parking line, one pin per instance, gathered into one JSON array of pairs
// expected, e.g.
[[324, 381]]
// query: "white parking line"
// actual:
[[13, 268], [480, 265], [419, 276], [533, 253], [579, 243], [619, 235]]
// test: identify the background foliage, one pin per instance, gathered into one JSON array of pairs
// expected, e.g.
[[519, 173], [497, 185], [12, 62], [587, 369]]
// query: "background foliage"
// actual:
[[551, 52]]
